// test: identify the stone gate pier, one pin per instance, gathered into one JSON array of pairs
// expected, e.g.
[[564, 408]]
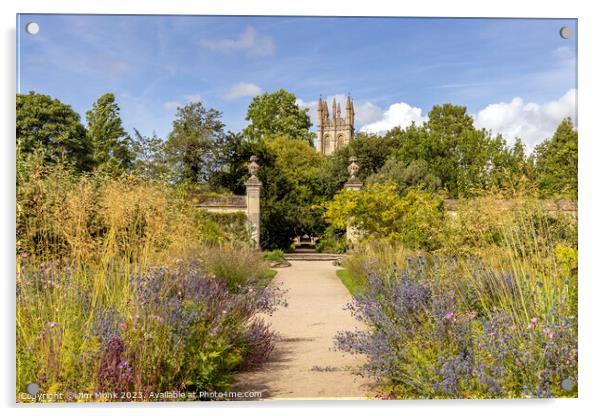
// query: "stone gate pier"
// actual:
[[248, 204]]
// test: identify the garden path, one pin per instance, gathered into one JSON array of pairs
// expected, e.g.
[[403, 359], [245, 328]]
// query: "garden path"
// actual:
[[303, 364]]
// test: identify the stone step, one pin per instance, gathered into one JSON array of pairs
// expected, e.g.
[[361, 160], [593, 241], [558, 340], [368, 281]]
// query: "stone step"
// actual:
[[308, 256]]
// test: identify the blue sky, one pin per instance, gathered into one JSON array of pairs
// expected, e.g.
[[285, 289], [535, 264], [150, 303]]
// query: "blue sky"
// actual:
[[517, 77]]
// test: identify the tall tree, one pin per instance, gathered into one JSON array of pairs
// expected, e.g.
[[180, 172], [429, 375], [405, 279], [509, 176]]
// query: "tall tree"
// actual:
[[49, 126], [110, 142], [462, 157], [149, 156], [277, 114], [556, 162], [191, 146]]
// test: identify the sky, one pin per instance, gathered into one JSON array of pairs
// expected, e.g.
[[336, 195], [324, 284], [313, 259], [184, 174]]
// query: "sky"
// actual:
[[516, 77]]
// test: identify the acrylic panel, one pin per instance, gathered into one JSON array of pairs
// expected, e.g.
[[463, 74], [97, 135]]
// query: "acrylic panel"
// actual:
[[286, 207]]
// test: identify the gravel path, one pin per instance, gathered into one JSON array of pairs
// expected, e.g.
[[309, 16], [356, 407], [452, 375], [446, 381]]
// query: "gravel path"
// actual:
[[303, 364]]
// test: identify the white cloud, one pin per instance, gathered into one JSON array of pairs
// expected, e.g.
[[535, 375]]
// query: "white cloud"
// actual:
[[242, 89], [193, 98], [249, 41], [530, 121], [399, 114], [171, 105], [367, 113]]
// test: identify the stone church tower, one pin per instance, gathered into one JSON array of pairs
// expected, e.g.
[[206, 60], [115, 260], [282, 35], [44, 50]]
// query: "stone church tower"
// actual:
[[337, 131]]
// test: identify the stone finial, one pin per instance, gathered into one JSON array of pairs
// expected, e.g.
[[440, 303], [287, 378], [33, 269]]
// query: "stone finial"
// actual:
[[353, 168], [253, 167], [353, 183]]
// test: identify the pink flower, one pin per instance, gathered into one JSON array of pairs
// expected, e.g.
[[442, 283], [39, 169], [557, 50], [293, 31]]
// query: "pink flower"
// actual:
[[52, 324], [123, 325], [533, 321], [550, 335], [471, 315], [449, 316]]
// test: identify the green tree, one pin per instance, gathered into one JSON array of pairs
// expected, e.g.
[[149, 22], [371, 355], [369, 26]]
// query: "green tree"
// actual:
[[48, 126], [371, 152], [149, 157], [110, 142], [512, 169], [277, 114], [556, 162], [232, 155], [191, 146], [463, 158], [417, 174]]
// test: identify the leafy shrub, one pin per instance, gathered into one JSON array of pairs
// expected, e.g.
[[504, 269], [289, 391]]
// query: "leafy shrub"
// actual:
[[238, 268], [416, 219]]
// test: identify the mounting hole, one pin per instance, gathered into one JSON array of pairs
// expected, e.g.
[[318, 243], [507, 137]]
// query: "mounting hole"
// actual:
[[32, 28], [33, 389], [565, 32]]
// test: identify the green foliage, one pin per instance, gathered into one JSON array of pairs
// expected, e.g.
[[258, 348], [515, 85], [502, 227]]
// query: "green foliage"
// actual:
[[332, 241], [415, 175], [371, 152], [232, 155], [53, 129], [190, 146], [290, 195], [230, 228], [274, 255], [277, 114], [110, 143], [149, 157], [379, 212], [556, 162], [464, 159]]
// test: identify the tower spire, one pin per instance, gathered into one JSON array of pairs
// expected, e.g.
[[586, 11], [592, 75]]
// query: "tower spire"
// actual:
[[334, 108], [349, 110], [320, 111]]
